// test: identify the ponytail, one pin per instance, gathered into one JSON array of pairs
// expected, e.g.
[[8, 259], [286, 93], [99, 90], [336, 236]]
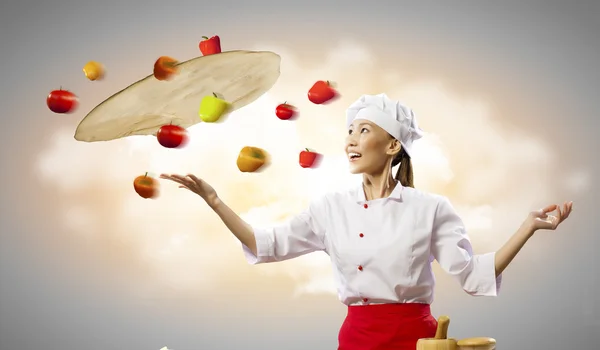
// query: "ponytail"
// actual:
[[405, 171]]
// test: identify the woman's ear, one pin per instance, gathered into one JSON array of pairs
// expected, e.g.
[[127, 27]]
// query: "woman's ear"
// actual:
[[395, 147]]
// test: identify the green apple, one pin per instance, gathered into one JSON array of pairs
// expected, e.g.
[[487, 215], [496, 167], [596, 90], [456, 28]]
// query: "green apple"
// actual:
[[212, 108]]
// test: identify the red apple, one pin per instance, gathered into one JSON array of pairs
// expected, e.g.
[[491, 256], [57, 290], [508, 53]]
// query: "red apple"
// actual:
[[308, 158], [172, 136], [285, 111], [61, 101], [321, 92]]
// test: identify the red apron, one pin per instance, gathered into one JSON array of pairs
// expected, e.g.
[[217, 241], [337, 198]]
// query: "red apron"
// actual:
[[386, 327]]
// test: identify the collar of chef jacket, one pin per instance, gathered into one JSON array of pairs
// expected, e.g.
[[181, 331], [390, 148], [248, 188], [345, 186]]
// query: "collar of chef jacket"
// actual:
[[396, 193]]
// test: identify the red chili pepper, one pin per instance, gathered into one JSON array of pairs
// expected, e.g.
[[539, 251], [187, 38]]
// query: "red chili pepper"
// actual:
[[210, 46]]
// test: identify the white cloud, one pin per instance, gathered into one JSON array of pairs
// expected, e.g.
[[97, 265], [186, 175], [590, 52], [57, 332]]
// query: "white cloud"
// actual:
[[319, 284], [349, 54], [465, 154], [476, 217], [429, 157]]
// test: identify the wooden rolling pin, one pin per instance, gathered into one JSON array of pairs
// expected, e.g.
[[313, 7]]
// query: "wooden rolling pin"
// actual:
[[480, 343], [441, 341]]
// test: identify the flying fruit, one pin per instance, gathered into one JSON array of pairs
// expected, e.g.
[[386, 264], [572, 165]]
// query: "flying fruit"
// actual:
[[212, 108], [321, 92], [93, 70], [146, 186], [172, 136], [165, 68], [308, 158], [62, 101], [251, 159], [210, 46], [285, 111]]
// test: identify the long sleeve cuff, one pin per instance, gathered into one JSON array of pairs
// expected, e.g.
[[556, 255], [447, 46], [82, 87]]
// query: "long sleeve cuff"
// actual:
[[264, 248], [483, 281]]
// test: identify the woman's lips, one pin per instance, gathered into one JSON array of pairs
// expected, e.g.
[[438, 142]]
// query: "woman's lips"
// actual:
[[353, 156]]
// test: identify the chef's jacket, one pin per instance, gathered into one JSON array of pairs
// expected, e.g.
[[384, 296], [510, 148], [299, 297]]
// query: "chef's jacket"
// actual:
[[381, 250]]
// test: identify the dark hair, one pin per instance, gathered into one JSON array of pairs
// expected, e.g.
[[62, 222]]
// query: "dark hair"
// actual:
[[405, 171]]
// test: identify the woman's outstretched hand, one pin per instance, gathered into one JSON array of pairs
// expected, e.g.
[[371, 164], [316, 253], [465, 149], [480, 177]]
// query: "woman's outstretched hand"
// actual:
[[192, 183], [546, 219]]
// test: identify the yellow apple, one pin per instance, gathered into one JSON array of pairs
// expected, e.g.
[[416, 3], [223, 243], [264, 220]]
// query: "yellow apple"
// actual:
[[212, 108], [93, 70]]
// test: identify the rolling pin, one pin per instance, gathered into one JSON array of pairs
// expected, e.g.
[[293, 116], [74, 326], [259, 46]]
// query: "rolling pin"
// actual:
[[441, 341], [480, 343]]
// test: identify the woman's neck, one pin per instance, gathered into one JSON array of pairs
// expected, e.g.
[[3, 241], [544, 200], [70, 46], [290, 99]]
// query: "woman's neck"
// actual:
[[378, 186]]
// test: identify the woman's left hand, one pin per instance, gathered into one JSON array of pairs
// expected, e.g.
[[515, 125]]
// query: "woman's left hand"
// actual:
[[545, 219]]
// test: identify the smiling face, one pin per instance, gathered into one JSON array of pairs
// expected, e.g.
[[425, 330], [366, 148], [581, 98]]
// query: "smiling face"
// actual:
[[369, 148]]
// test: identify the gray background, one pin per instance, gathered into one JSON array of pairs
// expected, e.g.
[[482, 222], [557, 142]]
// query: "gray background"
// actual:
[[505, 50]]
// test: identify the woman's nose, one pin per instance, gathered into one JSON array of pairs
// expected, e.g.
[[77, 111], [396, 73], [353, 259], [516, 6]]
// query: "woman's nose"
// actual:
[[350, 141]]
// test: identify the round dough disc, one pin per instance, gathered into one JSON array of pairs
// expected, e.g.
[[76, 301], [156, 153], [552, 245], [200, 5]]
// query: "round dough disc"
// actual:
[[239, 77]]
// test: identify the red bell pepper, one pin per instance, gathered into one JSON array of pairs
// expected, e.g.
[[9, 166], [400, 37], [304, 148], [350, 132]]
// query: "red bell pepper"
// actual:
[[210, 46]]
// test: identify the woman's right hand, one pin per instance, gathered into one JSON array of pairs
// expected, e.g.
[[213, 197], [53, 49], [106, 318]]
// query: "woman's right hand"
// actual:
[[198, 186]]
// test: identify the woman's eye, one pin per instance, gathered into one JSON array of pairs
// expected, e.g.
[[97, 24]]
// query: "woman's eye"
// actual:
[[363, 130], [350, 132]]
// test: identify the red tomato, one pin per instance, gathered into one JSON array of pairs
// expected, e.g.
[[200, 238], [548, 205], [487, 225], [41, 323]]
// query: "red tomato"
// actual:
[[61, 101], [285, 111], [171, 136]]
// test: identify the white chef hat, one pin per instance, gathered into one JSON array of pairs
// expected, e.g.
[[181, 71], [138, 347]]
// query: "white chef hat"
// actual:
[[398, 120]]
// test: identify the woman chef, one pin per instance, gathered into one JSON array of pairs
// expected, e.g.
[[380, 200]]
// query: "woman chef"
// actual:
[[383, 235]]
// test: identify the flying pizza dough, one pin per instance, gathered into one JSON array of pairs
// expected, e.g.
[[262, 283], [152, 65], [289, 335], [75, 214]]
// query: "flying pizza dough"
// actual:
[[239, 77]]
